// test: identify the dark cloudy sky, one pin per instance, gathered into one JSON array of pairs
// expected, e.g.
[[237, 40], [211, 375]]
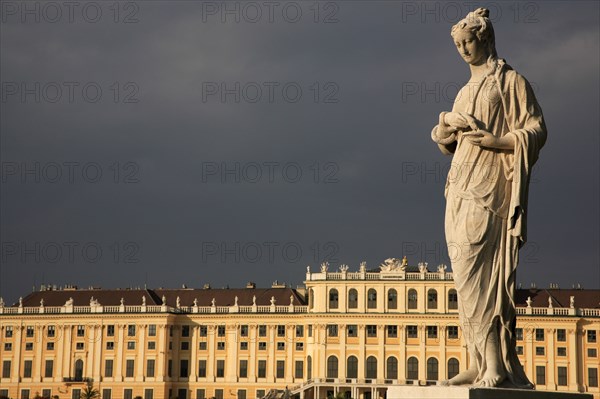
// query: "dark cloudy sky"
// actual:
[[165, 142]]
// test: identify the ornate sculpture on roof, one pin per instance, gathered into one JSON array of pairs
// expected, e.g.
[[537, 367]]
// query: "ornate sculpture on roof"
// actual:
[[549, 301], [196, 302], [143, 300], [235, 301], [390, 264], [42, 303], [69, 302], [324, 267], [122, 301], [363, 267], [164, 300], [21, 301], [404, 264], [308, 269], [572, 302], [529, 301], [272, 300], [94, 302], [442, 268], [1, 302], [344, 268], [253, 300], [213, 302], [423, 267], [178, 302], [291, 299]]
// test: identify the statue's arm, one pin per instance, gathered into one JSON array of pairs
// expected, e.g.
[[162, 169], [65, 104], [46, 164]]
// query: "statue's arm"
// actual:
[[444, 135]]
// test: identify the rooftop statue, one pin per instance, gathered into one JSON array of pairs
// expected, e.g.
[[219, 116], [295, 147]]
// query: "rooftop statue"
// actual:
[[494, 132]]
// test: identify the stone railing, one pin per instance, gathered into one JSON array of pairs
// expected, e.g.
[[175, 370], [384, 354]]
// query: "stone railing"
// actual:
[[383, 275]]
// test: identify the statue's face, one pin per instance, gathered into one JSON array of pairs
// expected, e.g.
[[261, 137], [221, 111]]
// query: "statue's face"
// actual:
[[470, 48]]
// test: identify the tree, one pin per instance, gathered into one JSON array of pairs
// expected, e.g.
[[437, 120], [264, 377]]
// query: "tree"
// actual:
[[90, 392]]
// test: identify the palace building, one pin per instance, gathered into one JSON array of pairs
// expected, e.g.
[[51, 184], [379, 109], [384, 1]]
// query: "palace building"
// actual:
[[352, 332]]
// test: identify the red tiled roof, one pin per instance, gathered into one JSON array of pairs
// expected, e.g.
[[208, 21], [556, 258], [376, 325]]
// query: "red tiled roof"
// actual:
[[589, 299], [223, 297]]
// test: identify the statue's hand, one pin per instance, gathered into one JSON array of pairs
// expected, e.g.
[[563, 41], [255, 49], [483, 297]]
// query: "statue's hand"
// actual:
[[482, 138], [460, 121]]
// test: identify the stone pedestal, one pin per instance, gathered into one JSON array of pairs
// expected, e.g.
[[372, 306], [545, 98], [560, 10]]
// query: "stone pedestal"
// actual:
[[438, 392]]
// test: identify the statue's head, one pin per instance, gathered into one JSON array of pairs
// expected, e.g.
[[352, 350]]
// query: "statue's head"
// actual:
[[474, 38]]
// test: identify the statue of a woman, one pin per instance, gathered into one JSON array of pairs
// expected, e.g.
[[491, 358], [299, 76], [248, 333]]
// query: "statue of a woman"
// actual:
[[495, 131]]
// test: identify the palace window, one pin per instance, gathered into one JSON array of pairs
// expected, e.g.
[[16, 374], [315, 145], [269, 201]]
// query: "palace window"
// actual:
[[412, 299], [280, 346], [129, 367], [561, 335], [452, 332], [332, 330], [591, 336], [432, 332], [561, 351], [299, 369], [539, 334], [80, 331], [432, 299], [280, 373], [299, 346], [371, 330], [51, 332], [152, 330], [412, 332], [262, 369], [540, 350], [262, 331], [332, 367], [244, 331], [29, 332], [150, 365], [185, 331], [281, 330], [540, 375], [202, 368], [593, 377], [391, 368], [108, 367], [352, 330], [371, 299], [562, 376], [244, 345], [453, 368], [220, 368], [203, 331], [333, 298], [50, 346], [519, 334], [392, 331], [371, 369], [432, 369], [8, 346], [131, 330], [352, 299], [412, 369], [452, 299], [392, 299], [352, 367], [221, 331], [27, 368], [299, 331]]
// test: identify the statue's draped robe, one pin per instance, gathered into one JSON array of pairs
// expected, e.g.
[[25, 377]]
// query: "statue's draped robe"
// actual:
[[486, 210]]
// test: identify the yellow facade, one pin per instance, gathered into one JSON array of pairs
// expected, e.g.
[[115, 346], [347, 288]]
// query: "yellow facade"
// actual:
[[357, 332]]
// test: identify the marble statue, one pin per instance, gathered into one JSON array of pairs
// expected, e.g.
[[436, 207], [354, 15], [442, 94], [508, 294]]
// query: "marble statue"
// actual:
[[69, 302], [178, 302], [494, 133], [213, 302], [572, 302], [196, 302], [143, 301], [272, 301], [324, 267], [164, 300], [253, 300]]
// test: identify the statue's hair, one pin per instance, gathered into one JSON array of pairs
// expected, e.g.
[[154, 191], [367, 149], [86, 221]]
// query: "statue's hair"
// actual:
[[478, 22]]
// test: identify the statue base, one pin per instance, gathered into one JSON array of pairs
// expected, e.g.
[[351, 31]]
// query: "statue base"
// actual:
[[466, 392]]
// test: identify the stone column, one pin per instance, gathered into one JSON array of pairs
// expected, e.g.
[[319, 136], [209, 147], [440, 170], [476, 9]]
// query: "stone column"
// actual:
[[442, 373], [141, 359], [362, 341], [194, 354], [120, 347], [60, 330], [422, 354], [97, 368], [342, 361], [38, 372], [162, 352], [550, 355]]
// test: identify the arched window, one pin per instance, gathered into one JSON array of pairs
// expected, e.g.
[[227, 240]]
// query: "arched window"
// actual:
[[432, 299], [78, 370], [412, 369], [391, 368], [453, 367], [392, 299], [371, 371], [333, 298], [432, 369], [352, 299], [352, 367], [311, 298], [412, 299], [332, 367], [309, 367], [371, 298], [452, 299]]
